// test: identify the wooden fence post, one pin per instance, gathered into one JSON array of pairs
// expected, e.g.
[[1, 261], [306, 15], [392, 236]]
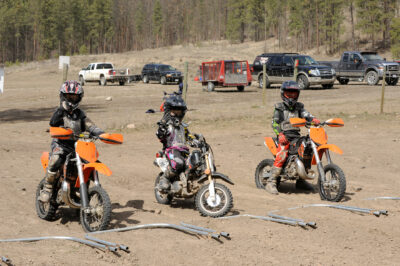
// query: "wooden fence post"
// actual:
[[264, 82], [383, 88], [65, 72], [296, 65], [185, 80]]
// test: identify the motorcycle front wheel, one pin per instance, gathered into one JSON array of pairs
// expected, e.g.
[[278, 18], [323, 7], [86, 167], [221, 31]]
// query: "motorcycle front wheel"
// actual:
[[99, 215], [161, 197], [335, 183], [45, 210], [222, 204]]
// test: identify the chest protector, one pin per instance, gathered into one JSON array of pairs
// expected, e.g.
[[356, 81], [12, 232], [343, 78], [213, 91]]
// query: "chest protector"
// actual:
[[176, 136]]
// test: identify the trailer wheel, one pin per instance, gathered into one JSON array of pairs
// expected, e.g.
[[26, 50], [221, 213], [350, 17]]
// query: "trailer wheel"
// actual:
[[210, 86], [343, 81], [240, 88], [121, 82]]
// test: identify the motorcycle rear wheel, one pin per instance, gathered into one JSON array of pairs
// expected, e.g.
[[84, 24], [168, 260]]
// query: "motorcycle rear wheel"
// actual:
[[100, 215], [46, 211], [264, 167], [336, 187], [160, 197], [224, 197]]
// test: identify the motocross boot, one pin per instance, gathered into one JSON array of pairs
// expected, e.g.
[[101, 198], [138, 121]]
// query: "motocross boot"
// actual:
[[45, 193], [303, 184], [272, 180], [183, 178], [164, 184]]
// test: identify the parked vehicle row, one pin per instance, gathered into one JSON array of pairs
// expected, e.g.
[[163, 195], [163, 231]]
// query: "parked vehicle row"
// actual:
[[280, 67]]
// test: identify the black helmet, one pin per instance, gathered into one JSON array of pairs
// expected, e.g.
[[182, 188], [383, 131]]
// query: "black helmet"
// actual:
[[290, 92], [175, 102], [71, 93]]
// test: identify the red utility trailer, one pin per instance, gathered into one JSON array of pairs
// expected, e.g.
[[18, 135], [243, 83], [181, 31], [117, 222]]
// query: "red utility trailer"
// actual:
[[225, 73]]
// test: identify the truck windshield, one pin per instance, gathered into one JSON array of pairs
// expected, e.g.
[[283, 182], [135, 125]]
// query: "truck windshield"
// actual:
[[305, 60], [166, 68], [370, 57]]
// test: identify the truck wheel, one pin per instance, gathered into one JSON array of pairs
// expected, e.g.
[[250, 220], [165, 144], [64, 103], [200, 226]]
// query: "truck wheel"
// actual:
[[145, 79], [240, 88], [391, 81], [163, 80], [210, 86], [121, 82], [303, 82], [343, 81], [103, 81], [327, 86], [260, 82], [81, 80], [372, 78]]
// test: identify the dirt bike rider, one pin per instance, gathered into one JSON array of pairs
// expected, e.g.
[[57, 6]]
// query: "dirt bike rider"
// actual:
[[67, 115], [285, 132], [174, 135]]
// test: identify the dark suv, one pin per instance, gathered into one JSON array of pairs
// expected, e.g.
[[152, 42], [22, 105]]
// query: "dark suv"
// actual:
[[280, 68], [161, 73]]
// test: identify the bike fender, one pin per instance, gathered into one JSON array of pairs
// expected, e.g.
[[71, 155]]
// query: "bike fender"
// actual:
[[99, 167], [269, 142], [321, 150], [45, 160], [331, 147], [216, 175]]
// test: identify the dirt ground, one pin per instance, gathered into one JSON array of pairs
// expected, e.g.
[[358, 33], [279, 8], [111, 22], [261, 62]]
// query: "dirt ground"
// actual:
[[234, 124]]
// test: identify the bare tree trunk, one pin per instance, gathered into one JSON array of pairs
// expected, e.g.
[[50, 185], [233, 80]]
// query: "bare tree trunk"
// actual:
[[353, 37]]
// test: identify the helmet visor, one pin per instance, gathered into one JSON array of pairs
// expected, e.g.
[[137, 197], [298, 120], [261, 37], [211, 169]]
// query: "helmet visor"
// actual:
[[291, 94], [72, 98]]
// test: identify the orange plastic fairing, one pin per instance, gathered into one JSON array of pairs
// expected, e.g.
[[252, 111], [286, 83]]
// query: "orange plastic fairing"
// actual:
[[87, 151], [318, 135], [45, 160], [112, 138], [321, 150], [297, 122], [89, 168], [335, 122], [269, 142], [60, 133]]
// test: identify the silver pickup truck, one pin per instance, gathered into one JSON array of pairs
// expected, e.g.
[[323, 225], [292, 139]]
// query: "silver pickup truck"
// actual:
[[364, 66]]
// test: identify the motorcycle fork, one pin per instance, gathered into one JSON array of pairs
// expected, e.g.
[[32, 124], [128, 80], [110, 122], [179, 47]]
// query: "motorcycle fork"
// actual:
[[82, 185], [319, 163], [211, 187], [96, 178]]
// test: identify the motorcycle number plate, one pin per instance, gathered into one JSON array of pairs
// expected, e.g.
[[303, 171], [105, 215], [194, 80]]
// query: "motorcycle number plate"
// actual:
[[162, 163]]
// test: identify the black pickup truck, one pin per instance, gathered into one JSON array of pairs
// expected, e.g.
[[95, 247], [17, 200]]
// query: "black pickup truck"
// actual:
[[161, 73], [280, 68], [367, 66]]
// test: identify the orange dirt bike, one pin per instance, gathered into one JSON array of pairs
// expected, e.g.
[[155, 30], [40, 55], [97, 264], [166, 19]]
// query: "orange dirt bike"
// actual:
[[73, 179], [302, 155]]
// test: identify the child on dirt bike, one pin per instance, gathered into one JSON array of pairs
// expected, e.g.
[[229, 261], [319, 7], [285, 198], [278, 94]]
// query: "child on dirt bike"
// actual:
[[285, 132], [174, 135], [67, 115]]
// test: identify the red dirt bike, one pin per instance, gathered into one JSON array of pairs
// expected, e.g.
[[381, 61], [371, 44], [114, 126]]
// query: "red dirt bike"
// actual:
[[302, 155], [73, 179]]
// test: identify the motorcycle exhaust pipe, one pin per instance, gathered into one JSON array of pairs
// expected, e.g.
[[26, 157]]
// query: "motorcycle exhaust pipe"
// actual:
[[301, 170]]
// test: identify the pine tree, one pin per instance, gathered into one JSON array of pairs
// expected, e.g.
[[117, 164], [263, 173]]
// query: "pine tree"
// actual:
[[157, 22]]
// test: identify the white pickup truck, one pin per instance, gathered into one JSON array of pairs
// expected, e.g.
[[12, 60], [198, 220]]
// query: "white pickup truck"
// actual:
[[103, 72]]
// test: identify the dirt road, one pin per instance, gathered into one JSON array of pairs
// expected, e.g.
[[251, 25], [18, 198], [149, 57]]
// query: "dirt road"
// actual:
[[234, 124]]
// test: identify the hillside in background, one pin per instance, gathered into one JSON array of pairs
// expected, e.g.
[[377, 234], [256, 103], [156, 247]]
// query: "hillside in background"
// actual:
[[41, 29]]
